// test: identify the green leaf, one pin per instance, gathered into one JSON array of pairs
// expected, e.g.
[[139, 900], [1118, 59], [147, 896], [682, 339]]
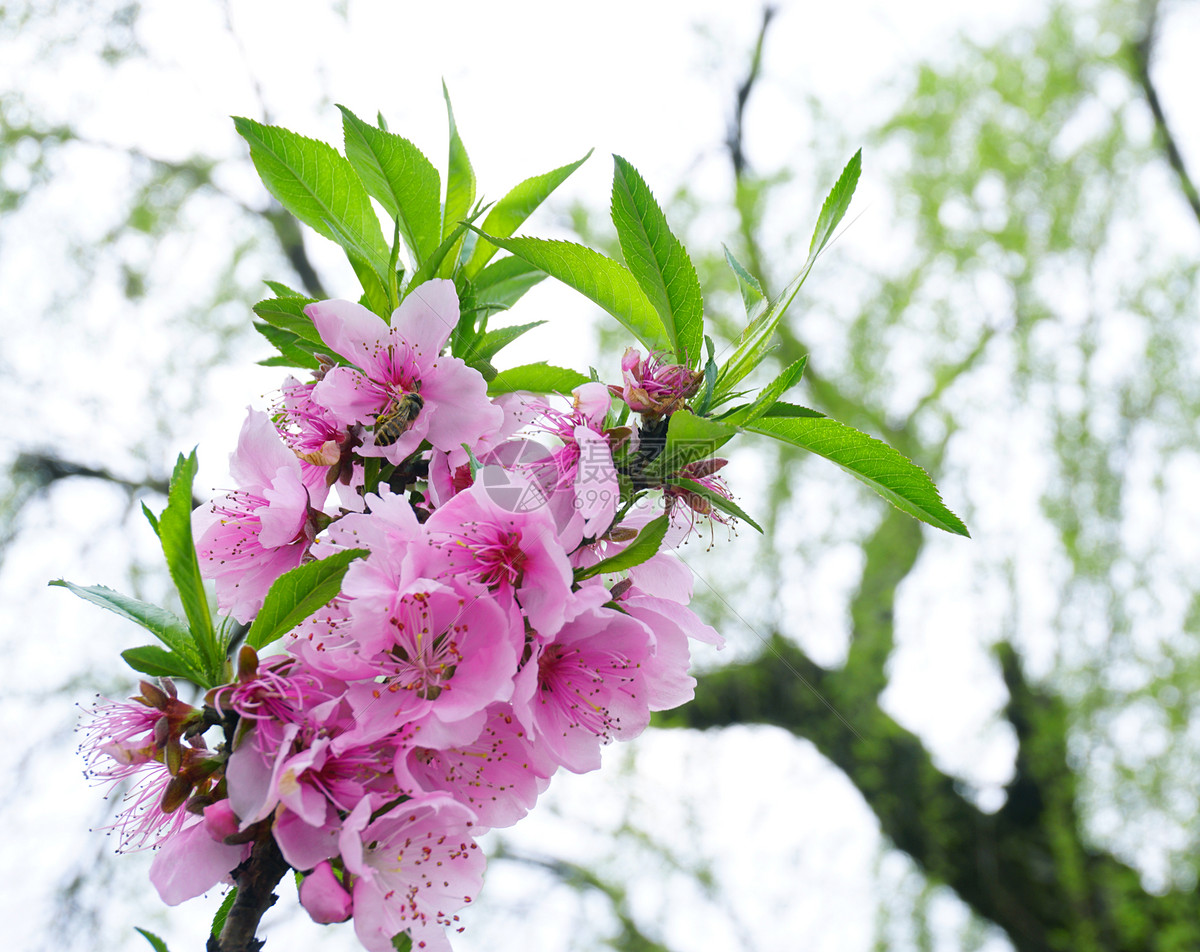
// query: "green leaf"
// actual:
[[315, 183], [222, 914], [479, 353], [175, 531], [156, 943], [792, 410], [538, 378], [641, 549], [293, 350], [753, 296], [724, 503], [689, 438], [297, 594], [402, 942], [658, 261], [512, 210], [606, 282], [401, 178], [165, 625], [755, 341], [150, 518], [429, 269], [770, 395], [895, 477], [282, 290], [502, 283], [153, 660], [287, 313], [460, 187]]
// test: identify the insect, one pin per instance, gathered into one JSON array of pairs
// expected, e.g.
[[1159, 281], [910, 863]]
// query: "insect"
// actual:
[[397, 419]]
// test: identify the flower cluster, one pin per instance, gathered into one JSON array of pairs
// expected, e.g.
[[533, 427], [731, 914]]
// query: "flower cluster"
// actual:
[[476, 647]]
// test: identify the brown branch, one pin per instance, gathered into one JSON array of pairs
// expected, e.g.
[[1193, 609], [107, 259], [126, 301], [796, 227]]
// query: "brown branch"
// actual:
[[1143, 52], [256, 880], [735, 138]]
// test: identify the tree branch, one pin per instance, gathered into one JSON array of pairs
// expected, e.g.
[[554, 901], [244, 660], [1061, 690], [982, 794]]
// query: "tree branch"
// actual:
[[1143, 51], [256, 880]]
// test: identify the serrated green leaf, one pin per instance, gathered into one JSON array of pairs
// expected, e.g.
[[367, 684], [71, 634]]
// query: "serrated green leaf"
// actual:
[[755, 342], [297, 594], [314, 182], [165, 625], [895, 477], [769, 396], [293, 350], [287, 313], [792, 410], [641, 549], [480, 352], [401, 178], [540, 377], [175, 532], [724, 503], [753, 296], [460, 188], [222, 913], [279, 289], [606, 282], [658, 261], [155, 942], [512, 210], [159, 663]]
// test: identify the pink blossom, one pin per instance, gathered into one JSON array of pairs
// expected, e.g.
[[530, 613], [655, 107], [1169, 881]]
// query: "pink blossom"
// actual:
[[413, 868], [434, 650], [251, 536], [511, 553], [586, 687], [402, 359], [498, 775], [192, 862]]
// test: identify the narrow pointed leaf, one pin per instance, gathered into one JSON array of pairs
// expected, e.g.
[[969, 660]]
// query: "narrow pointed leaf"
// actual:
[[895, 477], [538, 378], [401, 179], [287, 313], [718, 501], [502, 283], [156, 943], [460, 188], [222, 912], [165, 625], [282, 290], [769, 396], [642, 549], [606, 282], [753, 296], [175, 531], [755, 341], [658, 262], [158, 663], [511, 211], [297, 594], [293, 350], [480, 352], [314, 182]]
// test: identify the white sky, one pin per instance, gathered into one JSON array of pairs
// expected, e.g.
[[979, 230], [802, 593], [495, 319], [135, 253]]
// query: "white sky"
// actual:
[[534, 86]]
